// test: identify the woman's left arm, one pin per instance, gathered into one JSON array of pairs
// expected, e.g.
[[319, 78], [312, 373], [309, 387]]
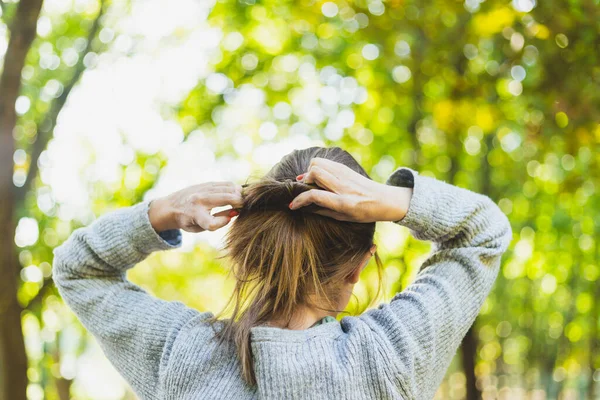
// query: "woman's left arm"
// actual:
[[134, 329]]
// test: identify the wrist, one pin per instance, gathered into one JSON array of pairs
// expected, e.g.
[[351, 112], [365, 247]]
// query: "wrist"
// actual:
[[395, 201], [161, 216]]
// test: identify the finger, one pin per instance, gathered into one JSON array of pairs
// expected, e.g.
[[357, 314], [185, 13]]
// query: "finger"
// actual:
[[229, 186], [332, 214], [322, 178], [211, 222], [325, 163], [226, 186], [230, 212], [338, 169], [319, 197], [218, 199], [218, 222], [193, 228]]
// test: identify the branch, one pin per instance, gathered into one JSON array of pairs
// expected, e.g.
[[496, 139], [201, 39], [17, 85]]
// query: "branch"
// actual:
[[47, 285], [50, 119]]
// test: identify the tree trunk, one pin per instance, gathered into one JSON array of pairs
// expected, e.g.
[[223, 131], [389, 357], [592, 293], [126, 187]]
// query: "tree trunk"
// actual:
[[13, 359], [49, 120], [469, 351], [470, 341], [468, 348]]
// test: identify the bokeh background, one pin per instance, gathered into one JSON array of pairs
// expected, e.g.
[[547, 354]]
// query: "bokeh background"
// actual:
[[106, 103]]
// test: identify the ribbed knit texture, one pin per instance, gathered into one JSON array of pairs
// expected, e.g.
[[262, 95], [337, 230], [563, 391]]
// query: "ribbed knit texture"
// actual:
[[399, 350]]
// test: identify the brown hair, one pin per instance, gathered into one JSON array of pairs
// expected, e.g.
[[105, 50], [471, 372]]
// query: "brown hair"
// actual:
[[280, 257]]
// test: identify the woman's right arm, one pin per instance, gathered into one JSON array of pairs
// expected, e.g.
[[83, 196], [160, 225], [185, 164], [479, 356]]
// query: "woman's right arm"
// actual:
[[420, 329], [425, 323]]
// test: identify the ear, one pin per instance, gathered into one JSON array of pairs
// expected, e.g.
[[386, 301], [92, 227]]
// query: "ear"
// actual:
[[355, 276]]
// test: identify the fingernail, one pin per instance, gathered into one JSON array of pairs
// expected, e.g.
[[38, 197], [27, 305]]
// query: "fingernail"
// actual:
[[291, 204], [233, 213], [299, 177]]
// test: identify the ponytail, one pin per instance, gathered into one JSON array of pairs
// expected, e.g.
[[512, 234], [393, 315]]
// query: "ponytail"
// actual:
[[282, 259]]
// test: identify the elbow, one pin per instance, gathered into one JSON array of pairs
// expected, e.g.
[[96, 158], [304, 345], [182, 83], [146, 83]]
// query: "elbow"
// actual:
[[502, 226], [496, 228], [59, 267], [507, 234], [65, 257], [487, 228], [66, 273]]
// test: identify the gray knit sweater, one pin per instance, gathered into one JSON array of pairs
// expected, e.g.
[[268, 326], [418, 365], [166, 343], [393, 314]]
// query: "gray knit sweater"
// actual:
[[399, 350]]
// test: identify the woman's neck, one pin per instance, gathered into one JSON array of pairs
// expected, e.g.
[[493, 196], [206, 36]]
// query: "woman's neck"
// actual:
[[302, 319]]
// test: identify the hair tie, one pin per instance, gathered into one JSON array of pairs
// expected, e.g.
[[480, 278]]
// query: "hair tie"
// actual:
[[289, 184]]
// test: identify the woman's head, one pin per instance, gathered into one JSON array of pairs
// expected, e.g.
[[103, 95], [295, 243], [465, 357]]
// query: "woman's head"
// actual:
[[286, 259]]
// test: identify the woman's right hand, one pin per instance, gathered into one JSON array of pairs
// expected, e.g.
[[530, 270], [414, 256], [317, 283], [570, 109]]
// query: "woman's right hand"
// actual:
[[350, 196]]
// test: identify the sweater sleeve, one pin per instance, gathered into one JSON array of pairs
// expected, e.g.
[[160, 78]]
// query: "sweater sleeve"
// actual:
[[134, 329], [421, 328]]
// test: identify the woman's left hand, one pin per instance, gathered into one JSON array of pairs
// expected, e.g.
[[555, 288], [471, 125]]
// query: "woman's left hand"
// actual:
[[189, 208]]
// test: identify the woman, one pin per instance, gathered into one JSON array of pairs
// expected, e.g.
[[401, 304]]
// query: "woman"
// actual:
[[303, 234]]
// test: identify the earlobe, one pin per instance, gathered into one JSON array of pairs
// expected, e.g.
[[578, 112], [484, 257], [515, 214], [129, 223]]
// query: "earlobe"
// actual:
[[355, 276], [373, 249]]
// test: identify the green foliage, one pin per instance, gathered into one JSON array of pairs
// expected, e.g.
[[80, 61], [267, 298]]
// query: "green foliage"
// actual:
[[482, 95], [490, 98]]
